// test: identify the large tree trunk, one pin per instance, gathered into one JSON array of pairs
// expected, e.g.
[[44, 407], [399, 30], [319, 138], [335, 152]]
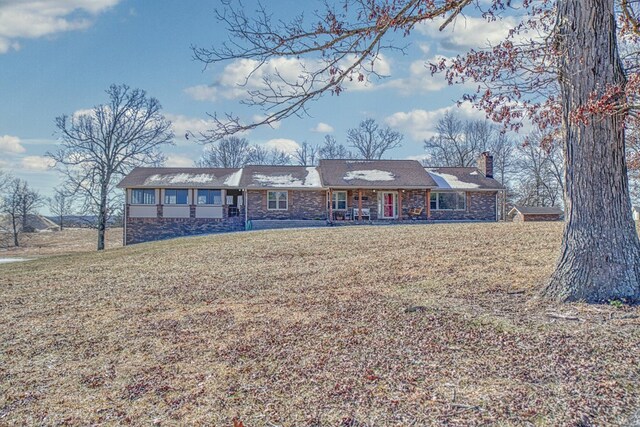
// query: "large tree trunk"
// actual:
[[600, 257]]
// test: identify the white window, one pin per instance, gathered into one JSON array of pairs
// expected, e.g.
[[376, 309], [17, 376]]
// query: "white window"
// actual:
[[449, 201], [277, 200], [176, 197], [143, 197], [339, 200], [209, 197]]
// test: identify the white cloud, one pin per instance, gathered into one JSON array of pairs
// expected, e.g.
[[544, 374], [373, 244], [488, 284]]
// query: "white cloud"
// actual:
[[192, 125], [11, 144], [419, 80], [421, 124], [275, 125], [244, 75], [283, 144], [179, 161], [36, 163], [468, 32], [30, 19], [322, 128], [203, 92]]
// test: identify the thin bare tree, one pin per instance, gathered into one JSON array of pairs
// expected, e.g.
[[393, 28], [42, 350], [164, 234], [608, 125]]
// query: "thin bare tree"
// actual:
[[330, 149], [99, 146], [260, 155], [231, 152], [371, 141], [61, 205], [18, 203], [306, 154]]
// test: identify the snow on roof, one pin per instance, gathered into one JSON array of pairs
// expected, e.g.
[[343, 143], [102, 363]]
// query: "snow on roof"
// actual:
[[445, 180], [233, 180], [369, 175], [181, 178], [312, 179]]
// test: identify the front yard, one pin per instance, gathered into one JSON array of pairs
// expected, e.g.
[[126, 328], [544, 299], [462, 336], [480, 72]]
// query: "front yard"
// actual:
[[347, 326]]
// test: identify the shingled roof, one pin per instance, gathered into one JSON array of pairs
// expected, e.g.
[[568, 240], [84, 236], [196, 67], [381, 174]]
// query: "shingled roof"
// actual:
[[374, 174], [182, 177], [292, 177], [451, 178]]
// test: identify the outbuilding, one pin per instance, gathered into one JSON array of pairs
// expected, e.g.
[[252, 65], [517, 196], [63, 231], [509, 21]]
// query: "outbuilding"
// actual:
[[535, 213]]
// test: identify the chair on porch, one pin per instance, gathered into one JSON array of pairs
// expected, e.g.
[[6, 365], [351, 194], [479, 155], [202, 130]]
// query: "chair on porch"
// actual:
[[415, 212]]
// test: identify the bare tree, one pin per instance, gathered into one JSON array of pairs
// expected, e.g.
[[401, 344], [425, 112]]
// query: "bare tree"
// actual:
[[260, 155], [231, 152], [100, 146], [371, 141], [330, 149], [18, 203], [450, 146], [307, 154], [61, 205]]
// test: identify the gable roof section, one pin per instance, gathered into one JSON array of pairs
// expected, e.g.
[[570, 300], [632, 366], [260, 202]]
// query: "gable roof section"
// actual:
[[182, 177], [538, 210], [374, 174], [450, 178], [286, 177]]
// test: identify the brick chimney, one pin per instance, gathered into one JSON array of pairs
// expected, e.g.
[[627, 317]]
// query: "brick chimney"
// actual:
[[485, 164]]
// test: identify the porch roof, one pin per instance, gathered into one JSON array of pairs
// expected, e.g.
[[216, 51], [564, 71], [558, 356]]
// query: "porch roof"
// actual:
[[142, 177], [374, 174]]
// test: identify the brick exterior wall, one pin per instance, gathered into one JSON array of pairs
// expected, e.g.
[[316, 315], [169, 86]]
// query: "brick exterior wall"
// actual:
[[301, 205], [481, 206], [535, 217], [138, 230]]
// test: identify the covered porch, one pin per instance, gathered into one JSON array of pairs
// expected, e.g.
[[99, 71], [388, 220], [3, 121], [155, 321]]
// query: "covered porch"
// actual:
[[380, 204]]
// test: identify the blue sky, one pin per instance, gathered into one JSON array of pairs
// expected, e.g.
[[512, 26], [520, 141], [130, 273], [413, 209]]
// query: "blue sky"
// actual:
[[58, 57]]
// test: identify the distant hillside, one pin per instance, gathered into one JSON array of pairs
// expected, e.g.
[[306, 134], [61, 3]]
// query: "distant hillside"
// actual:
[[82, 221]]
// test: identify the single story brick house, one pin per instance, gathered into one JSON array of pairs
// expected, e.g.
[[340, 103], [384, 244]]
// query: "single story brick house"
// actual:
[[535, 213], [171, 202]]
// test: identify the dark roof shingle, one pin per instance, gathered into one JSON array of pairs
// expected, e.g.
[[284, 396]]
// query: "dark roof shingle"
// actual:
[[374, 174], [462, 178], [182, 177], [298, 177]]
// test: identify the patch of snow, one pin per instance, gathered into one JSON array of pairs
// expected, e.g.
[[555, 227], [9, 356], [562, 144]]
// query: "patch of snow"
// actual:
[[181, 178], [369, 175], [233, 180], [8, 260], [313, 178], [444, 180], [277, 180], [474, 173]]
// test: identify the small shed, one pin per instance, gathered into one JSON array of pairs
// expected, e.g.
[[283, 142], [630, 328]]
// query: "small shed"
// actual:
[[535, 213]]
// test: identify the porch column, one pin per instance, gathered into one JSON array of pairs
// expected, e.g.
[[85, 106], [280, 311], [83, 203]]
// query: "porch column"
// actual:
[[330, 204], [428, 203], [400, 205], [359, 204]]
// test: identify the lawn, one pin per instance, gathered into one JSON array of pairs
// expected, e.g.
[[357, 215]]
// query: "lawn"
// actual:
[[347, 326], [69, 240]]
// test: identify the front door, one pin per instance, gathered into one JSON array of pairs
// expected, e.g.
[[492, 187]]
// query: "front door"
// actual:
[[388, 204]]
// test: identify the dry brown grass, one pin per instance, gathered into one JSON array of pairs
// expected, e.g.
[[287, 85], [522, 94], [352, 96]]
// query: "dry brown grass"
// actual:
[[352, 326], [69, 240]]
